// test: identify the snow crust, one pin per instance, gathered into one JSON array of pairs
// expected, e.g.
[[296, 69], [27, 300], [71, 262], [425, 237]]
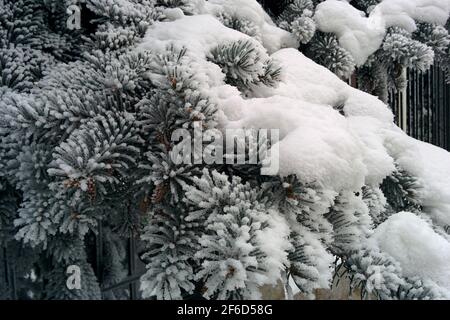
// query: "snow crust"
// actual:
[[362, 35]]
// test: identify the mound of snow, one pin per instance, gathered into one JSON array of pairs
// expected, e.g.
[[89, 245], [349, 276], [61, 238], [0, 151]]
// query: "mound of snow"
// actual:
[[356, 33], [313, 86], [303, 79], [317, 143], [414, 244], [362, 35], [273, 38], [435, 178], [199, 33], [428, 163], [402, 13]]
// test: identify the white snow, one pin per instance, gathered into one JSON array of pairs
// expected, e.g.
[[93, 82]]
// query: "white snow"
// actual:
[[432, 166], [362, 35], [199, 33], [403, 12], [303, 79], [356, 33], [273, 38], [318, 144], [315, 141], [435, 178], [414, 244], [316, 89], [273, 242]]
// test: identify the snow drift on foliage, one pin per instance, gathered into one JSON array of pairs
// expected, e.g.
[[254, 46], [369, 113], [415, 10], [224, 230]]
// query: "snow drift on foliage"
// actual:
[[316, 142], [356, 33], [273, 38], [331, 135], [362, 35], [403, 12], [432, 166], [435, 178], [312, 136], [419, 250]]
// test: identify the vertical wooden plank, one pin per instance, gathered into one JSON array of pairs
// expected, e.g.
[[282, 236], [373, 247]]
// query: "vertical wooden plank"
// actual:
[[417, 105], [132, 266], [440, 106], [434, 106], [420, 106], [426, 106], [429, 104], [446, 114], [410, 102], [6, 270], [447, 105], [437, 111], [99, 264], [400, 110], [13, 282], [403, 102], [5, 264], [443, 120]]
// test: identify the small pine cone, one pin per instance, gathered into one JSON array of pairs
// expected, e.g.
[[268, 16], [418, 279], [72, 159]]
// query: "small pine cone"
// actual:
[[110, 170], [144, 205], [173, 82], [91, 189], [290, 194], [71, 183], [159, 193], [74, 216], [162, 139], [231, 272]]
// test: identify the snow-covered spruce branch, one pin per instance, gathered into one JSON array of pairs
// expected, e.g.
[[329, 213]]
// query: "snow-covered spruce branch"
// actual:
[[86, 140]]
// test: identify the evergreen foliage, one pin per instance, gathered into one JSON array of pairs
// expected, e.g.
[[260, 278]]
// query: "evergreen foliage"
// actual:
[[87, 160], [382, 72]]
